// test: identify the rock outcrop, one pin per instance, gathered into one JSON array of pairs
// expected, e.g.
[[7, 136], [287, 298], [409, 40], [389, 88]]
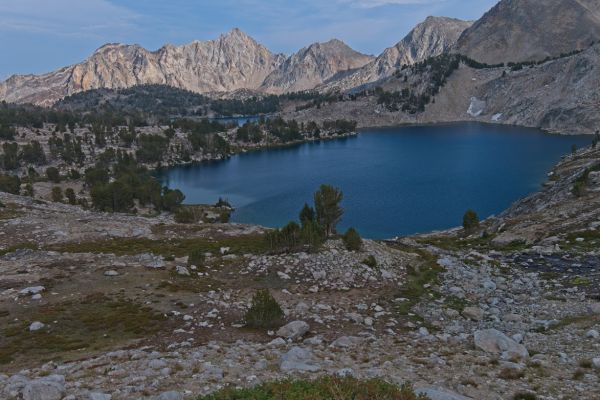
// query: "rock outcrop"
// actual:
[[526, 30]]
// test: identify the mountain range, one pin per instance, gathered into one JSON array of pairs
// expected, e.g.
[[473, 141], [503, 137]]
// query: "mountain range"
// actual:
[[512, 31]]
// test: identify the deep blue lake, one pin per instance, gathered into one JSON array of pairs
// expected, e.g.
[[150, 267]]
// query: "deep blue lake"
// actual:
[[395, 181]]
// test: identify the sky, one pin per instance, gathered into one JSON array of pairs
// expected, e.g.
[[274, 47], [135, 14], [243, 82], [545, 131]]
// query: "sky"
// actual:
[[38, 36]]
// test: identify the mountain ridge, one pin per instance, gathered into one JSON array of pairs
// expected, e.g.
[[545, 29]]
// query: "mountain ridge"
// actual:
[[234, 61]]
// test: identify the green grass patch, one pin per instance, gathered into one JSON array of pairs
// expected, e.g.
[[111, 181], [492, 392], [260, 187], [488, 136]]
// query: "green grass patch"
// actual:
[[580, 320], [461, 243], [580, 281], [21, 246], [591, 241], [92, 324], [254, 244], [424, 274], [457, 243], [326, 388], [456, 303]]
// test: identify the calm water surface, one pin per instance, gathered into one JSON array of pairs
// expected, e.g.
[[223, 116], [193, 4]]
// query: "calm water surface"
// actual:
[[396, 181]]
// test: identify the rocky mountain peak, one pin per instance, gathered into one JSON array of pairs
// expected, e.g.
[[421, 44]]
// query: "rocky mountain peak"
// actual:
[[526, 30]]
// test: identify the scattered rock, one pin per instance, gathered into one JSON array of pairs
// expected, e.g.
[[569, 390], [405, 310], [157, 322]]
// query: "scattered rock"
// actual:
[[346, 341], [99, 396], [181, 270], [298, 359], [48, 388], [592, 334], [496, 342], [36, 326], [32, 290], [171, 395], [474, 313], [435, 393], [294, 330]]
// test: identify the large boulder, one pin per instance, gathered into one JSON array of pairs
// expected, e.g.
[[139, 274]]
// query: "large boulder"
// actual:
[[495, 342], [294, 330], [48, 388], [298, 359]]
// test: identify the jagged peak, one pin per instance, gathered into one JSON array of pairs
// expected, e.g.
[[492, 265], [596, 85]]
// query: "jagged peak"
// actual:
[[237, 33]]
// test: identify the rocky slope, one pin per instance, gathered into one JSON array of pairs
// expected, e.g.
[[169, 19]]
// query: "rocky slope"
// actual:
[[559, 96], [434, 36], [525, 30], [312, 66]]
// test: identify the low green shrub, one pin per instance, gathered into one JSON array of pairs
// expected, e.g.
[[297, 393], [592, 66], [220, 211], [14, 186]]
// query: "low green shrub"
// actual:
[[370, 261], [185, 215], [324, 388], [196, 257], [524, 396], [265, 312], [57, 194], [352, 240]]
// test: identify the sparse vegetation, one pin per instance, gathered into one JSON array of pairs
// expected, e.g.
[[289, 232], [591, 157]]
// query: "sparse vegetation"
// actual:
[[93, 323], [325, 388]]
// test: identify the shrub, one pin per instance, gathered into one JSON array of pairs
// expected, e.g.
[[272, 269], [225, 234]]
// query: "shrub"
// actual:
[[370, 261], [57, 194], [70, 195], [470, 221], [185, 215], [196, 257], [52, 174], [580, 186], [74, 174], [10, 184], [224, 216], [265, 312], [324, 388], [524, 396], [28, 191], [172, 199], [352, 240]]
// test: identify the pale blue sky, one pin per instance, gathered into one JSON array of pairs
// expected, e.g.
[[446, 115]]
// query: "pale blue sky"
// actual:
[[38, 36]]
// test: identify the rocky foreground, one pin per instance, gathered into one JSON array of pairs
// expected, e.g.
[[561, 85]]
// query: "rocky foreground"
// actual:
[[109, 306]]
